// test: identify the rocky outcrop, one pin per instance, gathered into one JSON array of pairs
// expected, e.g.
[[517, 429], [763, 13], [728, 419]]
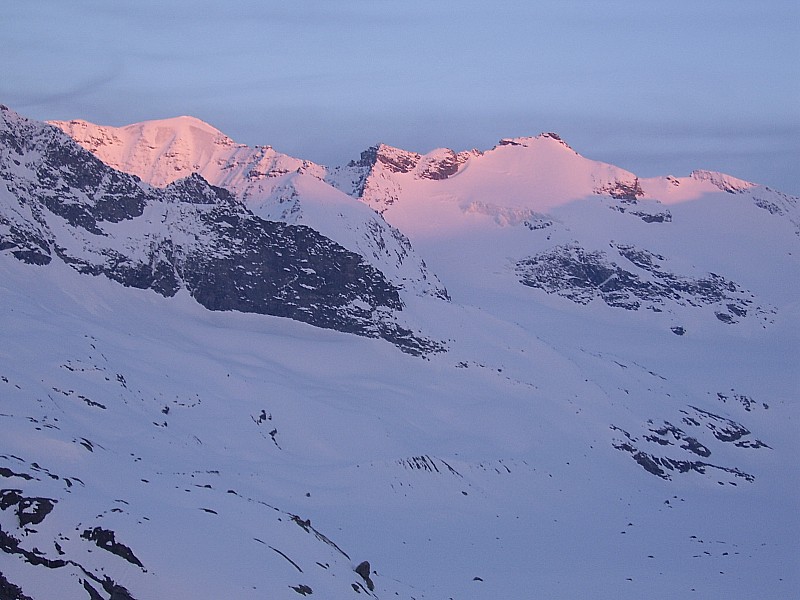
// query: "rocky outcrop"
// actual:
[[364, 570], [583, 276], [622, 190], [724, 182], [684, 448]]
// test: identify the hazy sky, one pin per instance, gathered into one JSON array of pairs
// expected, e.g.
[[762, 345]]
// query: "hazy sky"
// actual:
[[655, 87]]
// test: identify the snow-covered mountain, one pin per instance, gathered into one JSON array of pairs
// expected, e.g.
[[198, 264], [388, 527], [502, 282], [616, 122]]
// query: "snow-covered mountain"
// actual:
[[611, 411], [60, 201], [532, 210], [272, 185]]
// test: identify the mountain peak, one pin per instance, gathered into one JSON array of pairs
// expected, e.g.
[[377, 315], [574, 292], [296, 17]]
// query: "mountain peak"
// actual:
[[439, 163], [726, 183], [396, 160], [184, 126], [178, 127], [182, 144], [530, 141]]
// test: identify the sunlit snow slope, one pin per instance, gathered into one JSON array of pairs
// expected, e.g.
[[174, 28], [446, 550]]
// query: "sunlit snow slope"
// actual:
[[533, 211]]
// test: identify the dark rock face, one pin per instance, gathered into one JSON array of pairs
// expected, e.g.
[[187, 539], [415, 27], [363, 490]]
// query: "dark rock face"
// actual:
[[60, 201], [443, 167], [283, 270], [11, 545], [622, 190], [6, 472], [25, 241], [9, 591], [582, 276], [725, 430], [647, 449], [367, 159], [395, 160], [303, 590], [104, 538], [662, 436], [663, 216], [662, 465], [364, 570], [114, 590], [30, 511], [360, 170], [746, 401], [629, 193], [780, 205]]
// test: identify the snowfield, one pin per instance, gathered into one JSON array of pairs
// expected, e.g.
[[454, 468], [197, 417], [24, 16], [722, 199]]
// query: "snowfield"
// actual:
[[612, 414]]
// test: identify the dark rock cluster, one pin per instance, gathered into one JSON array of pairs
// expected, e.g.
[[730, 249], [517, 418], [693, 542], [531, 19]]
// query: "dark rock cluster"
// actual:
[[723, 430], [583, 276]]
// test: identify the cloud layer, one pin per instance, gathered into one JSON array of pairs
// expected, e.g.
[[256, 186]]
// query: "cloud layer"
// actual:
[[657, 88]]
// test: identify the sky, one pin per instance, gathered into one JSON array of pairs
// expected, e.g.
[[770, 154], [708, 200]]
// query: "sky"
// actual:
[[656, 88]]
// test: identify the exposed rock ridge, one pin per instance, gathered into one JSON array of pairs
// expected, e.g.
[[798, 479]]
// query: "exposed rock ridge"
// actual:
[[726, 183]]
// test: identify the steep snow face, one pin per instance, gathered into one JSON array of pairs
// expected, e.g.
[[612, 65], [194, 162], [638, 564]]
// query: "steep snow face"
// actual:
[[275, 186], [163, 151], [62, 202]]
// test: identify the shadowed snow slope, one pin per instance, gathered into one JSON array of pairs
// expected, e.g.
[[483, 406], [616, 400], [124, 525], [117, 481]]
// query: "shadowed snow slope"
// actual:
[[614, 415]]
